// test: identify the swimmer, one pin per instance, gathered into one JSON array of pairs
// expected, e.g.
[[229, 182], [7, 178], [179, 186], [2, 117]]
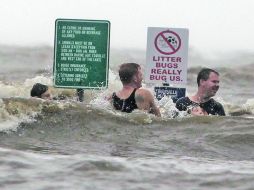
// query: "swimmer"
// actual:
[[41, 91], [132, 96]]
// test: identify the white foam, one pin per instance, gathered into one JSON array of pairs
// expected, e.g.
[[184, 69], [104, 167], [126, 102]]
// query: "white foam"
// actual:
[[249, 105], [8, 90], [10, 122], [22, 90], [38, 79]]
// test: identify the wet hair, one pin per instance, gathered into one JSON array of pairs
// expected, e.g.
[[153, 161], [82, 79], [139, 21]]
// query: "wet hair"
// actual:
[[127, 71], [38, 89], [204, 74]]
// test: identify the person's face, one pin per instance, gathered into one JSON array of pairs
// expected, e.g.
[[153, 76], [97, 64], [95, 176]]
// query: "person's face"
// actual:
[[47, 95], [198, 111], [211, 85]]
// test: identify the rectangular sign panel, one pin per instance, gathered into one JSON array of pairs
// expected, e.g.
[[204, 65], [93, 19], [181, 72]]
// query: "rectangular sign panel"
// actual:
[[81, 53], [166, 55], [174, 93]]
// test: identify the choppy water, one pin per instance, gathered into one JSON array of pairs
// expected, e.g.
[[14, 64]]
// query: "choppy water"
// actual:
[[72, 145]]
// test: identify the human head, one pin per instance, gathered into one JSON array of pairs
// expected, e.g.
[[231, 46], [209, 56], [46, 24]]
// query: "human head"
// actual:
[[130, 73], [197, 110], [41, 91], [208, 82], [204, 74]]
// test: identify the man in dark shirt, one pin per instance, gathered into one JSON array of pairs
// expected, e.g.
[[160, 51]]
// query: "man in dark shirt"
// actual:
[[208, 85]]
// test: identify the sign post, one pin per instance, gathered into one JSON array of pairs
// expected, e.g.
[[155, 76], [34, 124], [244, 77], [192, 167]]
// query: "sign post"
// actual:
[[166, 58], [81, 53]]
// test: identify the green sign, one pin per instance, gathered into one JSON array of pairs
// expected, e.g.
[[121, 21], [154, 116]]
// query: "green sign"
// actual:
[[81, 53]]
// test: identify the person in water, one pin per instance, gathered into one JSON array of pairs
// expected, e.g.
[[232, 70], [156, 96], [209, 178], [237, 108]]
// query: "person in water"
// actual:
[[132, 96], [41, 91], [208, 85]]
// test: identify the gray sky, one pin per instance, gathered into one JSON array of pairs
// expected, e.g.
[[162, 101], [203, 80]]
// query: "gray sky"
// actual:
[[214, 25]]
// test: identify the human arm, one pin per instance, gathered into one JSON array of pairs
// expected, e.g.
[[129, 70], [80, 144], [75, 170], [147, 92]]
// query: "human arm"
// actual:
[[145, 101]]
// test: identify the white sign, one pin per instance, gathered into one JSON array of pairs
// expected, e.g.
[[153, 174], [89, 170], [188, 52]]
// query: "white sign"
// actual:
[[166, 55]]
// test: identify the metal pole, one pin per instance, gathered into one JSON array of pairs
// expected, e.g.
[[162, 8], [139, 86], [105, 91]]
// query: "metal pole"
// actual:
[[80, 93]]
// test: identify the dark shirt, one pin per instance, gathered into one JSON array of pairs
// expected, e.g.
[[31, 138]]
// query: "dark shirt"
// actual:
[[125, 105], [211, 106]]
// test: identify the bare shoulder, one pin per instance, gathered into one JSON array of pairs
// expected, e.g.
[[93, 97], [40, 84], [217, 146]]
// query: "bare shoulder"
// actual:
[[145, 101], [143, 94]]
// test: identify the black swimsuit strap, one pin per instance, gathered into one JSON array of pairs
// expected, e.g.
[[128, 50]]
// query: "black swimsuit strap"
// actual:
[[133, 93]]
